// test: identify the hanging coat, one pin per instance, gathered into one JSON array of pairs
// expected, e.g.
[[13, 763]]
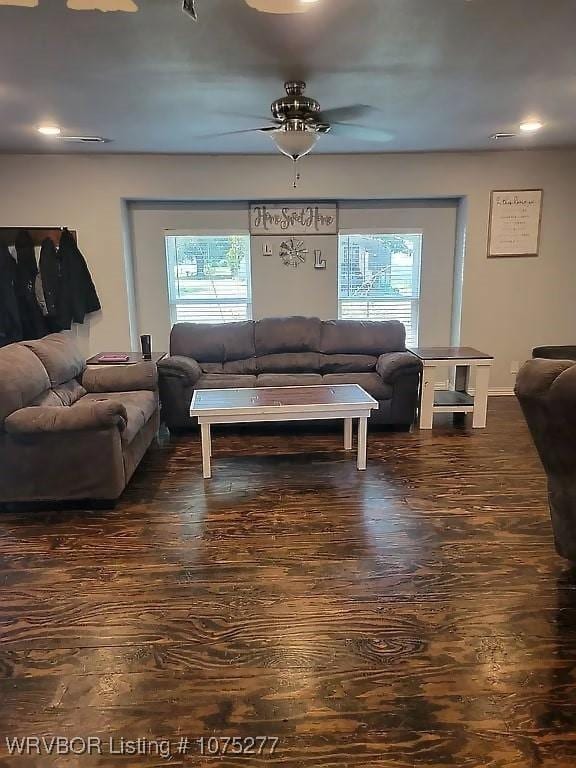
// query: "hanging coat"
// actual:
[[10, 322], [53, 286], [33, 323], [68, 288], [80, 297]]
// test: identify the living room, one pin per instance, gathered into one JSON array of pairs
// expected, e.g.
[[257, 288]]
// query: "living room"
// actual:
[[188, 549]]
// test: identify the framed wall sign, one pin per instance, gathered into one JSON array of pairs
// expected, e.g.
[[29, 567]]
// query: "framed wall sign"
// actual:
[[515, 223], [301, 219]]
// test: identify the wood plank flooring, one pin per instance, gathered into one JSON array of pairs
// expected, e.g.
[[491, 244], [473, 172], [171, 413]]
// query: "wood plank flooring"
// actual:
[[412, 615]]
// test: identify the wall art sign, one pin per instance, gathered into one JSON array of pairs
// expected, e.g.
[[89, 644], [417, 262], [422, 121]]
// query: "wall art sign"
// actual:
[[302, 219], [515, 223]]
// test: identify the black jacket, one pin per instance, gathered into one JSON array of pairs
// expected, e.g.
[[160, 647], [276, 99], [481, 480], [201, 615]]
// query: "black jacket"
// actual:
[[33, 323], [80, 296], [68, 288], [10, 322]]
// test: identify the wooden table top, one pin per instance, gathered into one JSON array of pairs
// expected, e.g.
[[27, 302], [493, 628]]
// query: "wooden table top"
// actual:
[[312, 397], [449, 353], [133, 358]]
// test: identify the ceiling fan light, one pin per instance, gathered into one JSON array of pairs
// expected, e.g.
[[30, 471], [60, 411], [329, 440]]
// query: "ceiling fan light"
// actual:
[[294, 144], [280, 6]]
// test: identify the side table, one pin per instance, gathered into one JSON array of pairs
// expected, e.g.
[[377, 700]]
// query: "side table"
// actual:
[[458, 400]]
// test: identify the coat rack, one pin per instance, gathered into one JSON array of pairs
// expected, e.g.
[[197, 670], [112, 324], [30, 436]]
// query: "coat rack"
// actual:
[[38, 234]]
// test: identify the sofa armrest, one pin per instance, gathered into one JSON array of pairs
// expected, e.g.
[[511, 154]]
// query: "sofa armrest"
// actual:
[[395, 364], [121, 378], [536, 377], [84, 416], [180, 367], [566, 352]]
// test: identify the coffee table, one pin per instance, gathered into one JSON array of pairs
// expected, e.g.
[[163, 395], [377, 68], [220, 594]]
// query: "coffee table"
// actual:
[[457, 400], [233, 406]]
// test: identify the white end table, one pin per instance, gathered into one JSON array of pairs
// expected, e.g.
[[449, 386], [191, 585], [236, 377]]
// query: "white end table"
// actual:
[[458, 400]]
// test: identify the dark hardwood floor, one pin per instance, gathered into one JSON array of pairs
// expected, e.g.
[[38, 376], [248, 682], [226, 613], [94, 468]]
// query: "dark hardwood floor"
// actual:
[[412, 615]]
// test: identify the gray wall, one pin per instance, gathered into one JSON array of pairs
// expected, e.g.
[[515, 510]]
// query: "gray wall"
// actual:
[[281, 290], [508, 305]]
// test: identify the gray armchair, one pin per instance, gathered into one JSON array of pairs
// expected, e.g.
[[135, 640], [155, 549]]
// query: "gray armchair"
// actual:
[[546, 390]]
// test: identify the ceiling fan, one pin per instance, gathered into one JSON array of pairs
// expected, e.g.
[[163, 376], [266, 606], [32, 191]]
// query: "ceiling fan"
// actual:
[[298, 122]]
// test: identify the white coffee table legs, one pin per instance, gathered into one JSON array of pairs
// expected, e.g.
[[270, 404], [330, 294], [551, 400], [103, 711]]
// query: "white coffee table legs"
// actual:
[[206, 450], [362, 440], [348, 442], [347, 434]]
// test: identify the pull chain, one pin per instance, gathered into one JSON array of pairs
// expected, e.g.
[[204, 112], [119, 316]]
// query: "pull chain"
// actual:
[[296, 173]]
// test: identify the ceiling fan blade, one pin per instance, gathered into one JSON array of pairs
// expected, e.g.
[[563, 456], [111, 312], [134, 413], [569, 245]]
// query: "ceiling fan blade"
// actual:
[[266, 129], [362, 132], [343, 114]]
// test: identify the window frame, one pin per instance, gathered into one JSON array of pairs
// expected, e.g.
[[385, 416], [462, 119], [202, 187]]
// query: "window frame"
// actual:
[[415, 302], [173, 302]]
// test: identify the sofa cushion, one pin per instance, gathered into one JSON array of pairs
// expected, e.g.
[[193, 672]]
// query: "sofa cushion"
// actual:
[[290, 362], [362, 337], [275, 335], [224, 381], [23, 378], [70, 392], [288, 379], [140, 407], [59, 355], [348, 363], [216, 343], [242, 367], [371, 382], [212, 367]]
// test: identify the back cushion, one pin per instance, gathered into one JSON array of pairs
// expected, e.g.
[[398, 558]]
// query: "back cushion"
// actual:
[[363, 337], [23, 378], [213, 343], [59, 355], [275, 335], [290, 362]]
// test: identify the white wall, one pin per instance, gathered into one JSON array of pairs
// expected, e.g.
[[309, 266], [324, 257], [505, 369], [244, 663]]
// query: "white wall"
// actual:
[[508, 305]]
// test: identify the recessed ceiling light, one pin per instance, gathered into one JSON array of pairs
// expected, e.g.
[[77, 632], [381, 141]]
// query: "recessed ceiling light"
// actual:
[[531, 126], [49, 130]]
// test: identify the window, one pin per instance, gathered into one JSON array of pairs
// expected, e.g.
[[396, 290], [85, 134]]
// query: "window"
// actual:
[[209, 278], [379, 279]]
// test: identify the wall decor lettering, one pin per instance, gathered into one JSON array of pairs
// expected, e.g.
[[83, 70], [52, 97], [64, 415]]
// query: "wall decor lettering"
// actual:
[[266, 249], [319, 262], [303, 219], [293, 252], [515, 223]]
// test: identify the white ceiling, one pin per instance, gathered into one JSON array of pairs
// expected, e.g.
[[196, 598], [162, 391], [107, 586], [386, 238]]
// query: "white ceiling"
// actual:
[[442, 74]]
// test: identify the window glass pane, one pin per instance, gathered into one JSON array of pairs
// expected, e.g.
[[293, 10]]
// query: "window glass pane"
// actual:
[[209, 278], [379, 279]]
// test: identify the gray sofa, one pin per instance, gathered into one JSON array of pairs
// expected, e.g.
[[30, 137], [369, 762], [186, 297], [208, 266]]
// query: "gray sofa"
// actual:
[[68, 431], [546, 390], [291, 351]]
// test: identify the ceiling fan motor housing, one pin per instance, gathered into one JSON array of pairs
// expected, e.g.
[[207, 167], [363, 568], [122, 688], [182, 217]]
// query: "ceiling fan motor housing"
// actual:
[[295, 105]]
